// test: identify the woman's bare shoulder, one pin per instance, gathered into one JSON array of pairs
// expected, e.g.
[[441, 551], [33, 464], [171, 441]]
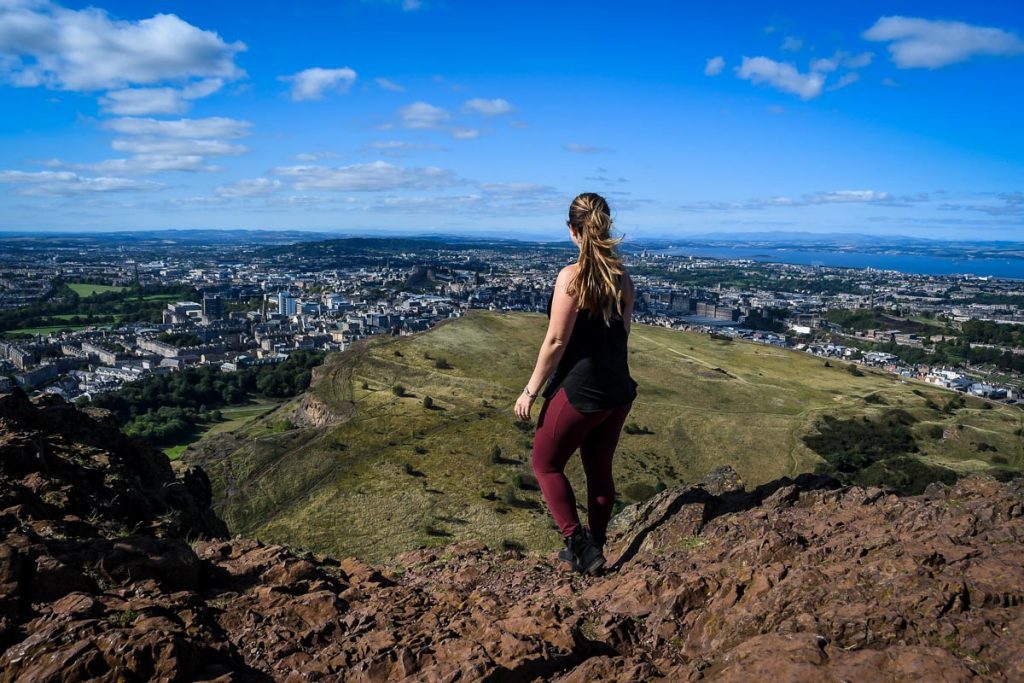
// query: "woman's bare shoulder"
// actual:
[[565, 275]]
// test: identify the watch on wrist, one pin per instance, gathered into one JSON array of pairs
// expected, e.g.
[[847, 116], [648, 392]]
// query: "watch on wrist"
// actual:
[[526, 390]]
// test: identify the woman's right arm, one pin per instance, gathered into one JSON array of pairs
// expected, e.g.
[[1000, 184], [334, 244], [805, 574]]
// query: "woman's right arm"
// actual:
[[628, 297]]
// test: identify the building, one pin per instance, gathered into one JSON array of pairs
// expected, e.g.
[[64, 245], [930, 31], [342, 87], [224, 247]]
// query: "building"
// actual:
[[213, 307], [183, 312], [679, 303], [286, 304]]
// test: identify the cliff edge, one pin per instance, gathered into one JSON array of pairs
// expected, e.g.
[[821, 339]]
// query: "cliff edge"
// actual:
[[113, 567]]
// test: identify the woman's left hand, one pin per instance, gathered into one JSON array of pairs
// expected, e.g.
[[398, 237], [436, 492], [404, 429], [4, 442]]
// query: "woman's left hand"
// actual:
[[523, 406]]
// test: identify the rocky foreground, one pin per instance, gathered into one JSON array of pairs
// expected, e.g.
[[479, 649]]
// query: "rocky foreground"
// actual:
[[114, 568]]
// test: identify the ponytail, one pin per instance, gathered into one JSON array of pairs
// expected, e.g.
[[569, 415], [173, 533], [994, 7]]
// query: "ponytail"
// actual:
[[596, 281]]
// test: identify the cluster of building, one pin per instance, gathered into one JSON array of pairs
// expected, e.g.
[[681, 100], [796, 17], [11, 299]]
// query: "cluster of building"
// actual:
[[946, 378], [205, 332], [256, 310]]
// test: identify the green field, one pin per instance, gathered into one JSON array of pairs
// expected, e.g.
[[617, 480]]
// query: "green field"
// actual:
[[43, 330], [369, 474], [87, 290], [235, 417]]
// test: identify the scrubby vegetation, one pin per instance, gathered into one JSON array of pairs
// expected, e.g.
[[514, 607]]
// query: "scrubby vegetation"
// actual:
[[875, 451]]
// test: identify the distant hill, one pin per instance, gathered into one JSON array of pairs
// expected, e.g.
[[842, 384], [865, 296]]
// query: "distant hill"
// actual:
[[365, 472]]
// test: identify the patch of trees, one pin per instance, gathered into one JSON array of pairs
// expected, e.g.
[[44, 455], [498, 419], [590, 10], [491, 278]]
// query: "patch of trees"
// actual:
[[875, 452], [129, 305], [166, 408], [853, 444], [179, 339], [989, 332], [860, 319], [991, 298]]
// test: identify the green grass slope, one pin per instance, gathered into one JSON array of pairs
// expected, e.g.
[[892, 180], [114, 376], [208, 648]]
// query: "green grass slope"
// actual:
[[353, 469]]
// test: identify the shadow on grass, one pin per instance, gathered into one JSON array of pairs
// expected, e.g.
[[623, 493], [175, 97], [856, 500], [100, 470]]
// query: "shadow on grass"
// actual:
[[453, 520]]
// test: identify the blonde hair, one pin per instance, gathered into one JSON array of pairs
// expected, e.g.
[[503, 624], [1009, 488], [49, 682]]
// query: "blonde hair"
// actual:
[[595, 283]]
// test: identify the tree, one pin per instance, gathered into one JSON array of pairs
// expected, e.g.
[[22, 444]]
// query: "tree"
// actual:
[[398, 390], [496, 454], [428, 402]]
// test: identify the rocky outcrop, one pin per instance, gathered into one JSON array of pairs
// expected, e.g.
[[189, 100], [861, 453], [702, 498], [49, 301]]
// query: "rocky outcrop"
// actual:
[[112, 568], [312, 412]]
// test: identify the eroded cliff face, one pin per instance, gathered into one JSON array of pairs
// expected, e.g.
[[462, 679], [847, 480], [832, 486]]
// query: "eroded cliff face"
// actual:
[[112, 567]]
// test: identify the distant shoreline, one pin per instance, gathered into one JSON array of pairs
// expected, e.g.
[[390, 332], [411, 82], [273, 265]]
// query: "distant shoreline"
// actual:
[[915, 264]]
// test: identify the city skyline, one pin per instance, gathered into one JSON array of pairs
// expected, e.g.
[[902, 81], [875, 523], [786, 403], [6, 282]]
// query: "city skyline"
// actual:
[[406, 116]]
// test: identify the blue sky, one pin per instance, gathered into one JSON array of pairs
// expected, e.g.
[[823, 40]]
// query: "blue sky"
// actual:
[[480, 117]]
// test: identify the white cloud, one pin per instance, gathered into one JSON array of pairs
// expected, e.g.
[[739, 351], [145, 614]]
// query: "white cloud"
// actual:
[[255, 187], [493, 107], [135, 101], [177, 147], [43, 44], [400, 148], [915, 42], [388, 84], [423, 115], [311, 84], [67, 183], [782, 76], [845, 80], [858, 61], [212, 127], [817, 198], [315, 156], [371, 177], [577, 148], [464, 133], [714, 66], [847, 196], [406, 5], [138, 101], [147, 163], [844, 59], [825, 65], [792, 44], [515, 191]]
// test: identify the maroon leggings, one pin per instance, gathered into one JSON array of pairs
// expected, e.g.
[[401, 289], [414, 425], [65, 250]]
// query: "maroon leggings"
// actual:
[[561, 429]]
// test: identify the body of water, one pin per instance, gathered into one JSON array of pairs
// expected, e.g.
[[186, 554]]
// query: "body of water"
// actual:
[[904, 263]]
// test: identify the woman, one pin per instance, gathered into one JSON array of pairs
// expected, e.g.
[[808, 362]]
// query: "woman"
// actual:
[[591, 391]]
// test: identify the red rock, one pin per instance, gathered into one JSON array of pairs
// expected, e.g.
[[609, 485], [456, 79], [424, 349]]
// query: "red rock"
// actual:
[[795, 580]]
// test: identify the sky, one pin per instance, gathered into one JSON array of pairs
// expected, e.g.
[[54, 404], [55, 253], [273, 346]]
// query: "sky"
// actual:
[[468, 117]]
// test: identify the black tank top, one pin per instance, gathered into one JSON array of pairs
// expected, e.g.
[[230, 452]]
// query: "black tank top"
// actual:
[[594, 368]]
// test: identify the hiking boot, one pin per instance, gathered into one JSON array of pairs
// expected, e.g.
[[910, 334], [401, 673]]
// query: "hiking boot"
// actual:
[[582, 553], [599, 541]]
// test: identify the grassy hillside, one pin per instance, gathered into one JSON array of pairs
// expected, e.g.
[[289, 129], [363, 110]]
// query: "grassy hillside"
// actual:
[[352, 468]]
